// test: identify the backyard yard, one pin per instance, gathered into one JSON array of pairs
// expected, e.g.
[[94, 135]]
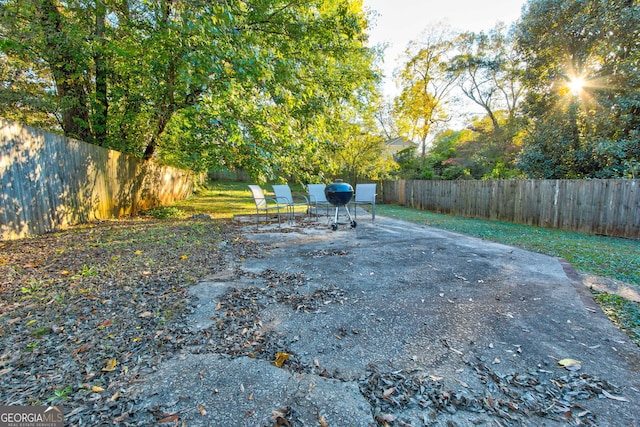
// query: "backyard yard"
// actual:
[[88, 311], [608, 257]]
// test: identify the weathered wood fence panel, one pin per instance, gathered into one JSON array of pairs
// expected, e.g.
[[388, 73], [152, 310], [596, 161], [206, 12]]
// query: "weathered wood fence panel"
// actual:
[[48, 182], [600, 206]]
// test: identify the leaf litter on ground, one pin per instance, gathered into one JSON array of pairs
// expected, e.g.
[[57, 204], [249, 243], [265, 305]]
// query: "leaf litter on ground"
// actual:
[[90, 312]]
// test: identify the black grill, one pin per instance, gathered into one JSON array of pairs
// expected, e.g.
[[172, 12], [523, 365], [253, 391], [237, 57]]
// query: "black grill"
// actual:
[[339, 194]]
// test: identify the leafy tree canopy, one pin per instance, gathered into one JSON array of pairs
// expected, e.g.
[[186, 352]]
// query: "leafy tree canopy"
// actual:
[[195, 83], [560, 93], [583, 81], [426, 84]]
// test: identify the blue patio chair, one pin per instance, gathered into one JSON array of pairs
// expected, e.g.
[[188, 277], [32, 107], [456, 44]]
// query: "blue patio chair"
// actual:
[[265, 204], [365, 195], [317, 198], [284, 197]]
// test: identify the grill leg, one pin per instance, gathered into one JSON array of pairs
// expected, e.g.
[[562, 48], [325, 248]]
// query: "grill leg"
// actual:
[[352, 222], [334, 226]]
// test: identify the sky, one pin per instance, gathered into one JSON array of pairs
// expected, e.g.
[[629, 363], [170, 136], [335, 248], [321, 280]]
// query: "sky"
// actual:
[[400, 21]]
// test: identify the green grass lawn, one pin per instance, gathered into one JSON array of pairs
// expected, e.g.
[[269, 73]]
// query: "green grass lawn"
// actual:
[[599, 255], [220, 200], [223, 200]]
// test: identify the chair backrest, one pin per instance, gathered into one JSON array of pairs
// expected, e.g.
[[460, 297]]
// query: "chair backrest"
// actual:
[[316, 193], [365, 193], [283, 193], [258, 195]]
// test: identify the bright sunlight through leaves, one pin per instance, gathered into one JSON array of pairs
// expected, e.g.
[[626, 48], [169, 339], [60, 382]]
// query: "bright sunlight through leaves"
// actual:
[[576, 84]]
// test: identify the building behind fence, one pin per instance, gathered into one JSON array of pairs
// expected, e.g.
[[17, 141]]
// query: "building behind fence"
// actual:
[[601, 206], [48, 182]]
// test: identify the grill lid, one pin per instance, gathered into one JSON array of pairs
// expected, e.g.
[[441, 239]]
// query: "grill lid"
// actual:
[[338, 193]]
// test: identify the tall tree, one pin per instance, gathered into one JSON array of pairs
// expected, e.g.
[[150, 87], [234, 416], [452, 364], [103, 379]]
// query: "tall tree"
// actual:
[[360, 154], [583, 88], [279, 105], [425, 84], [102, 74], [489, 72], [384, 116], [230, 82], [44, 37]]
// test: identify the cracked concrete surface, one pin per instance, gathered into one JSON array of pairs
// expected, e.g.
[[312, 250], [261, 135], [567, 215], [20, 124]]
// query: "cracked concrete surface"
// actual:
[[391, 299]]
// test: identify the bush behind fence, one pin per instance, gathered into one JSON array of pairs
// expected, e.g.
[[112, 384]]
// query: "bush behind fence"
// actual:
[[602, 206], [48, 182]]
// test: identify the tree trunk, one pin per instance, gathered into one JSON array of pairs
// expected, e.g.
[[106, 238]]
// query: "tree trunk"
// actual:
[[102, 102], [67, 75]]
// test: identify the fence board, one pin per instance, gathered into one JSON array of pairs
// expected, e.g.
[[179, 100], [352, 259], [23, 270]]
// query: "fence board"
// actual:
[[48, 182], [609, 207]]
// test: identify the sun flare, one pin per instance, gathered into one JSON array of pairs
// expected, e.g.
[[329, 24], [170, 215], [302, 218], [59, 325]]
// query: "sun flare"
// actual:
[[576, 84]]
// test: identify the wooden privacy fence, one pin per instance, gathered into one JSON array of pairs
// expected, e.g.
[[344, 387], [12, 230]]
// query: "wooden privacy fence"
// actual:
[[601, 206], [48, 182]]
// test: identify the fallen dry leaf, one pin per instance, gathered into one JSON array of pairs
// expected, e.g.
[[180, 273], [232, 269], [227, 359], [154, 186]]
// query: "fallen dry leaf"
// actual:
[[447, 345], [281, 358], [110, 365], [611, 396], [322, 422], [388, 392], [386, 418], [202, 411], [169, 419], [462, 383], [280, 418], [570, 364]]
